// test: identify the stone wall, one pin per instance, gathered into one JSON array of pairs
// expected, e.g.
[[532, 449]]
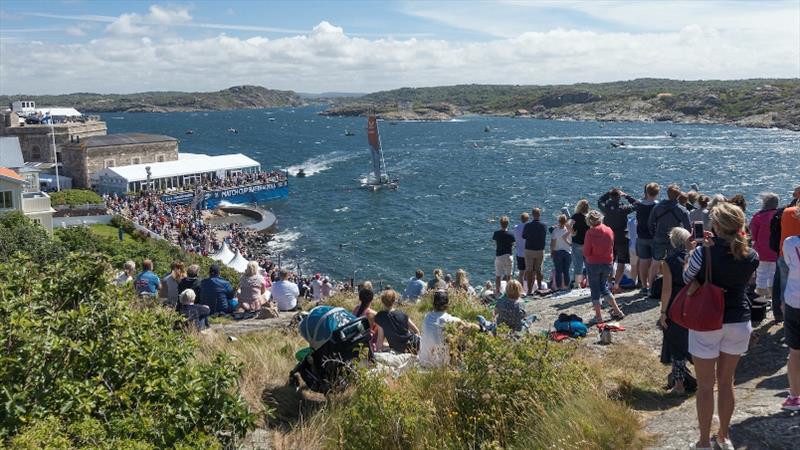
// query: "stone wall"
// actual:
[[36, 142], [81, 163]]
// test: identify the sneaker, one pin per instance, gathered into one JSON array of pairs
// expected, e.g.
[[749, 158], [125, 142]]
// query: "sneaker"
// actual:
[[722, 444], [791, 404], [695, 447]]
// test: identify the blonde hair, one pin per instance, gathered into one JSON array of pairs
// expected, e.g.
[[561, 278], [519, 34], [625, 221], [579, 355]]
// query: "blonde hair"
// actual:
[[582, 206], [514, 290], [187, 297], [562, 219], [503, 222], [252, 269], [388, 298], [367, 285], [678, 237], [594, 218], [462, 281], [728, 221]]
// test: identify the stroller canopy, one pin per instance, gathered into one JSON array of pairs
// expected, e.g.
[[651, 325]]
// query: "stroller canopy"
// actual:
[[321, 322]]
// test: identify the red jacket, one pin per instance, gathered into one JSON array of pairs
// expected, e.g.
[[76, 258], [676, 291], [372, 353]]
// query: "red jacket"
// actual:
[[598, 247], [759, 229]]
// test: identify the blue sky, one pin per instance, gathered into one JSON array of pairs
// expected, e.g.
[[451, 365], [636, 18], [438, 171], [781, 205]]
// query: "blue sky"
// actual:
[[315, 46]]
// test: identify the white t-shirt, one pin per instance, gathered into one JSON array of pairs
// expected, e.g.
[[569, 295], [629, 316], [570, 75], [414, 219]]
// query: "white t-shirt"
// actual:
[[632, 234], [285, 294], [519, 241], [559, 234], [433, 351], [316, 289], [123, 279], [791, 254]]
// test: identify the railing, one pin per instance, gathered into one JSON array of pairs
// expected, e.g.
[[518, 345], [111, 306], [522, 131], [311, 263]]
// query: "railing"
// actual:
[[35, 202]]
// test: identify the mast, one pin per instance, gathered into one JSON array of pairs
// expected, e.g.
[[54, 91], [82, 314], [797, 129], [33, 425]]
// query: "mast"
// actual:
[[378, 163]]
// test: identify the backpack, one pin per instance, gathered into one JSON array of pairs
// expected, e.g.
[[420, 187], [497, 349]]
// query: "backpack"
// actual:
[[642, 217], [570, 324], [775, 231]]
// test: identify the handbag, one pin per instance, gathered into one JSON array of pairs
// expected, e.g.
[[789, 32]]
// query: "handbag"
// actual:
[[699, 307]]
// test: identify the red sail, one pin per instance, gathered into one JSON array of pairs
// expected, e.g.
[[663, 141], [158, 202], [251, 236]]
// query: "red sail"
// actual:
[[372, 133]]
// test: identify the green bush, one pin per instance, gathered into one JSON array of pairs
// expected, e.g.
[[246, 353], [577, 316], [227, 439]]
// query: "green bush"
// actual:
[[83, 363], [20, 234], [162, 253], [526, 393], [74, 197]]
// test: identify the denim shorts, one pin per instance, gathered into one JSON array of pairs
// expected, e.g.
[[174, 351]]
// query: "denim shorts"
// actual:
[[660, 250], [644, 248]]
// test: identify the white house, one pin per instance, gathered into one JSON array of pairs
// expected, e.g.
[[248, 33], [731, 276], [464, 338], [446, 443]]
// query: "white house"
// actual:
[[22, 194]]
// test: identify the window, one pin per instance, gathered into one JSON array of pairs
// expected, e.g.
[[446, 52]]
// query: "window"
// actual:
[[109, 163], [37, 221], [160, 158], [136, 160], [6, 200], [36, 153]]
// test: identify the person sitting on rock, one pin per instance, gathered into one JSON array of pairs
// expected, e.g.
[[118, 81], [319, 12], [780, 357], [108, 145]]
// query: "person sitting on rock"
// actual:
[[196, 315], [252, 290], [216, 292]]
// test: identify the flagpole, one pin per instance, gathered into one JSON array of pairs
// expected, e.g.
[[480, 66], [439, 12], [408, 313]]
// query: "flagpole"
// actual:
[[55, 154]]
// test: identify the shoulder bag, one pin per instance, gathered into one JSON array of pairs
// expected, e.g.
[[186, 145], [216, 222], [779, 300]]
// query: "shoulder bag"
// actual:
[[699, 307]]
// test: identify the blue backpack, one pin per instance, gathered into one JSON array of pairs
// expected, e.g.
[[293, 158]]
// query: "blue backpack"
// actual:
[[570, 324]]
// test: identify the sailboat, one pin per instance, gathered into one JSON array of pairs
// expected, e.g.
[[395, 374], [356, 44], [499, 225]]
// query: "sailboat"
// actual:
[[379, 178]]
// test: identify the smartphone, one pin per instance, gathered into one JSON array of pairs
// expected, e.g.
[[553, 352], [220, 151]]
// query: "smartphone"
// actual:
[[697, 231]]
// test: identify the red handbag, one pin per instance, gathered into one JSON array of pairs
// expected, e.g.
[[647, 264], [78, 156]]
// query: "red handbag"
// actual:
[[699, 308]]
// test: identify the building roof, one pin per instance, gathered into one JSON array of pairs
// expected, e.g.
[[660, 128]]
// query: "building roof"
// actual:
[[10, 175], [58, 112], [125, 139], [188, 164], [10, 152]]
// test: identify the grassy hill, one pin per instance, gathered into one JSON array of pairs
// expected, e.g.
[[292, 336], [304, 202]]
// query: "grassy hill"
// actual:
[[237, 97], [754, 102]]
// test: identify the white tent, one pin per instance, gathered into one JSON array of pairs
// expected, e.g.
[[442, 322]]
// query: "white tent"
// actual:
[[224, 255], [238, 263]]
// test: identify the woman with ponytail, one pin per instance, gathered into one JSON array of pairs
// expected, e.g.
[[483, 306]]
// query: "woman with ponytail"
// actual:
[[715, 354]]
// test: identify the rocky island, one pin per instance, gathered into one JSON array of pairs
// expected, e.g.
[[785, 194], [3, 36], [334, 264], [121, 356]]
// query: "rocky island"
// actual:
[[762, 103], [236, 97]]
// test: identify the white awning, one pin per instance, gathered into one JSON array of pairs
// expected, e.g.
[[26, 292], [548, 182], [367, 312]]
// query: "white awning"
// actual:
[[224, 255], [189, 164], [238, 263], [59, 112]]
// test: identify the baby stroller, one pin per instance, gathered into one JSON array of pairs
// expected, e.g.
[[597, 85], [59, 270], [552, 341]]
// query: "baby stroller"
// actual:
[[336, 338]]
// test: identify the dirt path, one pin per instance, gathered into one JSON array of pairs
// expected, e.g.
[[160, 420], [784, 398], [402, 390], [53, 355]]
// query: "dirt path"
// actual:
[[761, 385]]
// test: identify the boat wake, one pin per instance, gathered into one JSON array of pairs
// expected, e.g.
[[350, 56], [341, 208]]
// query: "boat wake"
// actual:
[[283, 241], [320, 163], [528, 142]]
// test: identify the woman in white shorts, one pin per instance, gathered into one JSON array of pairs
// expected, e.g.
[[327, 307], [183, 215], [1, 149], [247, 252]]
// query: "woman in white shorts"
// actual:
[[715, 354]]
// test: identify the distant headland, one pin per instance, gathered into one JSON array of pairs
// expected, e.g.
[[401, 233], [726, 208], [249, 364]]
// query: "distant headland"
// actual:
[[760, 103]]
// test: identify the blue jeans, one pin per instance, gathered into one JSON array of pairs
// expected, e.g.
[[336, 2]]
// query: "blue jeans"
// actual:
[[779, 287], [577, 259], [597, 275], [561, 261]]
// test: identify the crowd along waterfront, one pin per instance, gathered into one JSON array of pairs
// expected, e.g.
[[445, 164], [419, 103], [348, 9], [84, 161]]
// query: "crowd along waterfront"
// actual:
[[457, 178]]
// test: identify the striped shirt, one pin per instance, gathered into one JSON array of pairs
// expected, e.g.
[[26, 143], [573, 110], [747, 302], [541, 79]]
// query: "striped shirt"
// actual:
[[695, 264]]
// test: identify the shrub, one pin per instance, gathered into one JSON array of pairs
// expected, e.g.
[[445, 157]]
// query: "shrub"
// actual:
[[84, 363], [526, 393], [162, 253], [20, 234], [75, 197]]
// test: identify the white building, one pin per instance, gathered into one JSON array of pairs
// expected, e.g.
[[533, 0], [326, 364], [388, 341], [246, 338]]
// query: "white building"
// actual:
[[172, 175], [21, 193]]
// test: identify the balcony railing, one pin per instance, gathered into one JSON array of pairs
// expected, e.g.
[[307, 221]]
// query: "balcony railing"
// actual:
[[35, 202]]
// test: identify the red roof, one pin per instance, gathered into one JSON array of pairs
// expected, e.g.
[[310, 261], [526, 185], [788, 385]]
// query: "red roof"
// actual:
[[8, 173]]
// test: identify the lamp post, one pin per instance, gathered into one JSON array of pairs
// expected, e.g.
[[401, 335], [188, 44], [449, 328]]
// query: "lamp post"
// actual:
[[352, 244], [55, 153], [149, 175]]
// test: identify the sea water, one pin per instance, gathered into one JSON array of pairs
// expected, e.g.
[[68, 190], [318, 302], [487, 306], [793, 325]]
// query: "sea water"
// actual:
[[456, 179]]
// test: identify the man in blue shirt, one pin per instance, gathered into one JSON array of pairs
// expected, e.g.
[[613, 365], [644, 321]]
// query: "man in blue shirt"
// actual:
[[216, 292], [147, 282], [535, 235], [415, 287]]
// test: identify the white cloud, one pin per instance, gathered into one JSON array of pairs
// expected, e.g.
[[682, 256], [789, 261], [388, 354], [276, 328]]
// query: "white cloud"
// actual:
[[134, 58], [75, 31], [167, 16]]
